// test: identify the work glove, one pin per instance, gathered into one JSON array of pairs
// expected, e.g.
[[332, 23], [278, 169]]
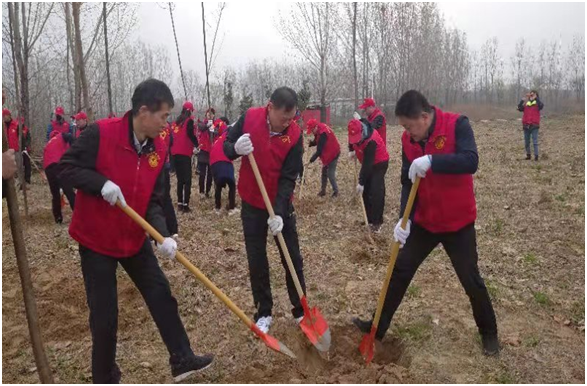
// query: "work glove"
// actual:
[[168, 248], [419, 167], [211, 128], [112, 193], [243, 145], [209, 123], [360, 189], [352, 155], [275, 224], [357, 116], [195, 151], [401, 235]]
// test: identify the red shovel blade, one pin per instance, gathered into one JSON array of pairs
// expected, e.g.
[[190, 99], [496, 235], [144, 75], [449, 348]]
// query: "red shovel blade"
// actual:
[[271, 342], [62, 201], [367, 346], [315, 327]]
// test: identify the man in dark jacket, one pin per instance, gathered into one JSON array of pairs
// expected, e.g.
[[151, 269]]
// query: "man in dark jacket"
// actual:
[[121, 160]]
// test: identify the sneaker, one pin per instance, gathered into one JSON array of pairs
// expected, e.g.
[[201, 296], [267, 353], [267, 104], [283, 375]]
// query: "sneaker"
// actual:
[[375, 228], [299, 319], [334, 195], [175, 236], [234, 211], [180, 207], [321, 193], [490, 344], [264, 323], [202, 196], [535, 158], [528, 156], [59, 220], [181, 368], [218, 211], [186, 208]]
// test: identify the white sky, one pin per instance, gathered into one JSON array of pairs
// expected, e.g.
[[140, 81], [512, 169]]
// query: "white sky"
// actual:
[[250, 33]]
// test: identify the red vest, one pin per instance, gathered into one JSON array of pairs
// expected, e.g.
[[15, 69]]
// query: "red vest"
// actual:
[[62, 128], [165, 135], [12, 134], [204, 140], [446, 202], [217, 153], [182, 145], [381, 154], [332, 148], [383, 129], [531, 114], [107, 229], [270, 152], [54, 149]]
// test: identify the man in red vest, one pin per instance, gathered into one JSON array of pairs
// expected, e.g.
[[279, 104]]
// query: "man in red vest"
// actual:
[[182, 149], [440, 148], [277, 141], [121, 160], [328, 150], [369, 148], [375, 117], [59, 123], [54, 150], [81, 122], [531, 106], [206, 137], [12, 134], [222, 170]]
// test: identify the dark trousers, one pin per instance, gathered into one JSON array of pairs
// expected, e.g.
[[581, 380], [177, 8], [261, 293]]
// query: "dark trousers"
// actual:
[[223, 173], [183, 171], [461, 247], [531, 131], [205, 177], [255, 229], [329, 173], [99, 272], [374, 194], [26, 161], [52, 173], [170, 218]]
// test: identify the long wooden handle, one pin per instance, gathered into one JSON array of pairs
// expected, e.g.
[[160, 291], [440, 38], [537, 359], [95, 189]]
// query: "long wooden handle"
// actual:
[[186, 263], [280, 238], [394, 253]]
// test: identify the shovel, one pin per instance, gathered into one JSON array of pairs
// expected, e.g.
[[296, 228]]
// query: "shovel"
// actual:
[[270, 341], [367, 346], [363, 209], [313, 323]]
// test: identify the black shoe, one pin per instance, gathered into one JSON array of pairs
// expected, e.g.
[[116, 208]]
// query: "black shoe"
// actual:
[[180, 207], [363, 325], [535, 158], [181, 368], [186, 209], [334, 194], [321, 193], [490, 344], [59, 220], [375, 228], [528, 156]]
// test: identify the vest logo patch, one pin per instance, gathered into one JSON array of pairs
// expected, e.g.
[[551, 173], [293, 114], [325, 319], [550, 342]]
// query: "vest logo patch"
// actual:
[[154, 159], [163, 134], [175, 128], [439, 142], [286, 139]]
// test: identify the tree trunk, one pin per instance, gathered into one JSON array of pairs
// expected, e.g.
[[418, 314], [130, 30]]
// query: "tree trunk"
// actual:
[[72, 47], [80, 59], [355, 76]]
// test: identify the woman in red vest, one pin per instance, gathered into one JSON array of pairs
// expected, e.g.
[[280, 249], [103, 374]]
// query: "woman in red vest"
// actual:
[[206, 136], [369, 148], [328, 149], [531, 106], [59, 123], [375, 117], [277, 141], [12, 134], [182, 149], [222, 170], [54, 150], [440, 148], [122, 159]]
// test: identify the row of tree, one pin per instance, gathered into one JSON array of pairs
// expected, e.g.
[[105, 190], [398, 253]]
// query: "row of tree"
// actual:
[[55, 54]]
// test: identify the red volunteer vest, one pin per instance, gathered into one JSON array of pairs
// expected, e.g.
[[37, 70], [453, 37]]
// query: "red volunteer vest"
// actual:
[[381, 154], [204, 140], [270, 152], [165, 135], [383, 129], [446, 202], [217, 153], [531, 114], [182, 145], [54, 150], [107, 229], [62, 128], [12, 134], [332, 148]]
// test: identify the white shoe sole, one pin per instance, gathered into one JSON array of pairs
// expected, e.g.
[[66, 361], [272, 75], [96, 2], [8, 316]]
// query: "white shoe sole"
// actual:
[[183, 376]]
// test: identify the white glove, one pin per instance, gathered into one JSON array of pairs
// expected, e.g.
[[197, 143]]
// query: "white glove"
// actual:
[[357, 115], [195, 150], [209, 123], [168, 248], [401, 235], [275, 224], [419, 167], [243, 145], [112, 193], [360, 189], [211, 129], [25, 152], [352, 155]]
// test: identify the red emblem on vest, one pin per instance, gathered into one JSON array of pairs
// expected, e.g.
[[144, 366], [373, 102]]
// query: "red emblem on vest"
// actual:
[[439, 142], [153, 159], [175, 128], [286, 139], [163, 134]]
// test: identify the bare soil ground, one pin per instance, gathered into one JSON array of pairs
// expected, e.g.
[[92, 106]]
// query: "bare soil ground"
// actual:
[[532, 255]]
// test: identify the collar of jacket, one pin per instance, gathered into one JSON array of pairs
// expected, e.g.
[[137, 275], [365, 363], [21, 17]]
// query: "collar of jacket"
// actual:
[[148, 148]]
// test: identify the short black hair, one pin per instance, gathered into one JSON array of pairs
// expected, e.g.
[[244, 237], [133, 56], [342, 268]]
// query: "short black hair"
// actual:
[[225, 120], [151, 93], [535, 92], [411, 104], [284, 97]]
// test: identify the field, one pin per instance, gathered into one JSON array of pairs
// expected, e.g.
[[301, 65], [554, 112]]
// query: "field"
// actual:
[[532, 255]]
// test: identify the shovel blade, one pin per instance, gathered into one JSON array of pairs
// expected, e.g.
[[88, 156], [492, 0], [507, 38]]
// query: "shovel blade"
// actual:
[[272, 343], [367, 346], [316, 329]]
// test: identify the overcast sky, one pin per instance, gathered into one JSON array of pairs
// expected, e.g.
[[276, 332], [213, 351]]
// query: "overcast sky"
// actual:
[[250, 33]]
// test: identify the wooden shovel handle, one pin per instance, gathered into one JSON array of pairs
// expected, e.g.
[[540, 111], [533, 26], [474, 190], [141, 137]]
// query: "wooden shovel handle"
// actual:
[[280, 238], [186, 263], [394, 253]]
